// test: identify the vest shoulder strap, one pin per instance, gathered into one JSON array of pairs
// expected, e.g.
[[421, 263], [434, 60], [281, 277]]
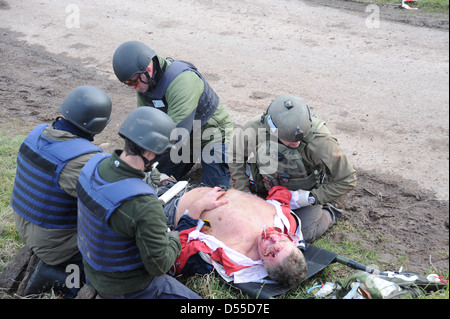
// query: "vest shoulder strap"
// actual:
[[174, 69], [62, 151], [71, 149]]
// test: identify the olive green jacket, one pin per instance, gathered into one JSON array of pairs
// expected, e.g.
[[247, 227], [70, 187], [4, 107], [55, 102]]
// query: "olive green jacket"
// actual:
[[182, 97], [322, 149], [143, 219]]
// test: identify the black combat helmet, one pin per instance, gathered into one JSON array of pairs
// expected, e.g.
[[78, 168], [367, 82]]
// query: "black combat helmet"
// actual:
[[130, 58], [148, 128], [88, 108]]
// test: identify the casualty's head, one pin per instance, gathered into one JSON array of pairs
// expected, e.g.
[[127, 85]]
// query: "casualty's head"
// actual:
[[88, 108], [147, 131], [136, 65], [281, 258], [289, 117]]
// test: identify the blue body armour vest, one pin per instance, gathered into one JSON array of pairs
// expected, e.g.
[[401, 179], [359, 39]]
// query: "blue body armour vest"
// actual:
[[207, 104], [36, 194], [103, 249]]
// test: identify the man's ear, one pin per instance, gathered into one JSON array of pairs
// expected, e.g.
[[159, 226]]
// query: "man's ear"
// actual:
[[150, 68], [149, 155]]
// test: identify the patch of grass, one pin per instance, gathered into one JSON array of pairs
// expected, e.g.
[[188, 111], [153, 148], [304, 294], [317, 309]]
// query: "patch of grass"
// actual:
[[8, 153], [10, 241], [211, 287], [434, 5]]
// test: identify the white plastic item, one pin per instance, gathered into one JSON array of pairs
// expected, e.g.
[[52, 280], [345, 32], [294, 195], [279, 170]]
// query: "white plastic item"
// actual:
[[174, 190]]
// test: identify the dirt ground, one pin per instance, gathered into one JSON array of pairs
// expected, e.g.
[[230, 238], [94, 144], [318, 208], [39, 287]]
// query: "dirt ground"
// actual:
[[383, 89]]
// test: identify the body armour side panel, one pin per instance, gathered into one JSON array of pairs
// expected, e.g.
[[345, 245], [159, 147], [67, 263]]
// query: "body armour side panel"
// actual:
[[103, 249]]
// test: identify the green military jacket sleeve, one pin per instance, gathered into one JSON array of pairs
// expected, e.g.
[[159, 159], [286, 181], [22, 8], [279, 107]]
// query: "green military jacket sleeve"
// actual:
[[242, 151], [324, 149], [143, 218], [182, 94]]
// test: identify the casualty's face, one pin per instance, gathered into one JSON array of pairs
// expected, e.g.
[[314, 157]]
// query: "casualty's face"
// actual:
[[274, 246]]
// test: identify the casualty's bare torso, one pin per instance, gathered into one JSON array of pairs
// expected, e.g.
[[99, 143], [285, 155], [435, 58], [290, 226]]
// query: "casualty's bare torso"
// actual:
[[239, 223]]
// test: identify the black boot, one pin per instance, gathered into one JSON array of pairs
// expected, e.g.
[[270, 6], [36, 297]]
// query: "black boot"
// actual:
[[45, 278]]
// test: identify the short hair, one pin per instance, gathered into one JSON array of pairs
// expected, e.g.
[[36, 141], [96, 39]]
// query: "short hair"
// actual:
[[291, 271], [131, 148]]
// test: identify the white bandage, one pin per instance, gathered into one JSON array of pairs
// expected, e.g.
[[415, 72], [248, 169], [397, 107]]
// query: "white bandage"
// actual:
[[300, 199]]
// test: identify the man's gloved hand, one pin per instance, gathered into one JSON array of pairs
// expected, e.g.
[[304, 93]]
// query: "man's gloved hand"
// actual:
[[300, 198], [153, 178]]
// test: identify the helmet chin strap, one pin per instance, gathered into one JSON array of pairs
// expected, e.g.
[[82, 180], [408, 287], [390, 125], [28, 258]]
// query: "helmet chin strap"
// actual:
[[151, 80], [148, 164]]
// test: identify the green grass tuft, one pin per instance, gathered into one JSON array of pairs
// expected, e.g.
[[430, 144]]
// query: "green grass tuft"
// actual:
[[10, 241], [436, 6]]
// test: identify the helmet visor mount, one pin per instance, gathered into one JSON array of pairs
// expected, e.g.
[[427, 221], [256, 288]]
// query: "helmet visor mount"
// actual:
[[298, 135]]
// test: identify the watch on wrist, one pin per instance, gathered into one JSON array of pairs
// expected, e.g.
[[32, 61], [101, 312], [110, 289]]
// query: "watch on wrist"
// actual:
[[311, 199]]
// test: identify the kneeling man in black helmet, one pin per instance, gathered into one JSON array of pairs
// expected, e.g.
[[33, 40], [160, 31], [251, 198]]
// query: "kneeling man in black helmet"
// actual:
[[44, 195], [123, 237]]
